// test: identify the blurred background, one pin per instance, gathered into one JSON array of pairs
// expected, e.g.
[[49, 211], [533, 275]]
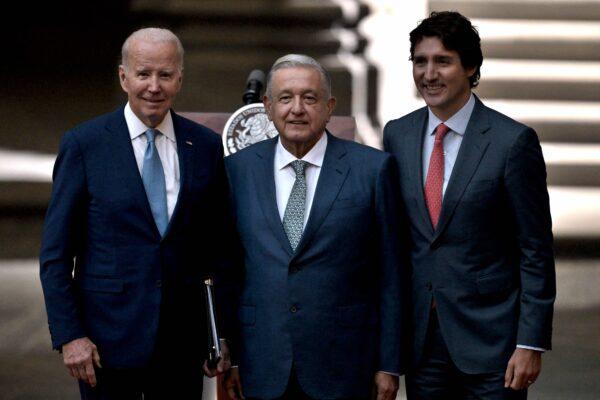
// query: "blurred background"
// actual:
[[541, 66]]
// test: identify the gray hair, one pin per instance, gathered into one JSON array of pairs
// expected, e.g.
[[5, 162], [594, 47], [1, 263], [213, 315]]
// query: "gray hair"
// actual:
[[155, 35], [298, 60]]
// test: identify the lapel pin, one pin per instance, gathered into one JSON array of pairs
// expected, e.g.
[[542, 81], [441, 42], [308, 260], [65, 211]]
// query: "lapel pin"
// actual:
[[188, 142]]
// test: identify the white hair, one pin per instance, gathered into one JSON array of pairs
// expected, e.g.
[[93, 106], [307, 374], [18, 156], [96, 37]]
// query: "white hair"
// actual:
[[298, 60], [155, 35]]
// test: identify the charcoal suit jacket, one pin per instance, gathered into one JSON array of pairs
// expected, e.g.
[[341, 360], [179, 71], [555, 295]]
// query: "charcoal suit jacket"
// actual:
[[489, 263]]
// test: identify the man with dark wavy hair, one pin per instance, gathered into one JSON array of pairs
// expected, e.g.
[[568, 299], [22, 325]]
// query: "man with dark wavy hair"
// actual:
[[474, 184]]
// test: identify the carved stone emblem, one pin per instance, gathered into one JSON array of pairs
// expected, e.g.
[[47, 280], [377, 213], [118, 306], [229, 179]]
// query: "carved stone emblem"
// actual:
[[246, 126]]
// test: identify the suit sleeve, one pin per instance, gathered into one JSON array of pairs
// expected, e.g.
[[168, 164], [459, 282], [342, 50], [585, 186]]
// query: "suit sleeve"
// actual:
[[229, 275], [386, 138], [393, 265], [525, 179], [61, 243]]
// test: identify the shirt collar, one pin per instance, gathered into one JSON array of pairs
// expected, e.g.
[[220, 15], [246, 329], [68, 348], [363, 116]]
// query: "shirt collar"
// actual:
[[457, 123], [315, 156], [137, 127]]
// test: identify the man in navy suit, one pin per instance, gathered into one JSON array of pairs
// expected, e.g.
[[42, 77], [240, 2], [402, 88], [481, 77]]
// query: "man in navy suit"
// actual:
[[134, 225], [321, 307], [473, 182]]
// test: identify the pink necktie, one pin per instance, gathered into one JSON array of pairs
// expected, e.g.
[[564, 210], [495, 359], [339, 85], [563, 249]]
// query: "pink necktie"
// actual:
[[435, 176]]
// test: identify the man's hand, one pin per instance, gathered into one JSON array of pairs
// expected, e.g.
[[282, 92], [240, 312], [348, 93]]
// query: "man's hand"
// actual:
[[80, 356], [523, 368], [223, 365], [386, 385], [233, 384]]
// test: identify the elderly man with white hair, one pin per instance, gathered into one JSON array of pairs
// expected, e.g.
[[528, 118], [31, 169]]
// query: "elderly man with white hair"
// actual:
[[321, 310], [135, 224]]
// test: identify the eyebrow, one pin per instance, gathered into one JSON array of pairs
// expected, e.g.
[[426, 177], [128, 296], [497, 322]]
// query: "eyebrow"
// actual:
[[305, 92], [435, 57]]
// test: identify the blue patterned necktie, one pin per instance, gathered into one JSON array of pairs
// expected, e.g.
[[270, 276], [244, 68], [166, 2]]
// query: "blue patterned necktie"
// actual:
[[293, 217], [153, 177]]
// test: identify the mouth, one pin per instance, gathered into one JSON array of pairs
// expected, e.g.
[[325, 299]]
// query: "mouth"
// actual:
[[297, 122], [433, 87], [154, 101]]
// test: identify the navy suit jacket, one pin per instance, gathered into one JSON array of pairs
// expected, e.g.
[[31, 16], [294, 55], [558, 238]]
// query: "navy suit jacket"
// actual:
[[332, 308], [105, 270], [489, 263]]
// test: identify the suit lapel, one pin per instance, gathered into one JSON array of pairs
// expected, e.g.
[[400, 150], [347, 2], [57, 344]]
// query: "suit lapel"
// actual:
[[472, 149], [264, 181], [125, 166], [415, 155], [186, 165], [331, 178]]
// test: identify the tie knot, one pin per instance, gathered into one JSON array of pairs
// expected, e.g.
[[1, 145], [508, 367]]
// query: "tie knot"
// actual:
[[151, 134], [299, 167], [441, 131]]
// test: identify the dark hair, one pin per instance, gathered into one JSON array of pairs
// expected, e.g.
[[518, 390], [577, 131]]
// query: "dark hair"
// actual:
[[456, 33]]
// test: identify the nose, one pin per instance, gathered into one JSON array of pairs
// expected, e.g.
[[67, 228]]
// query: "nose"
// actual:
[[430, 71], [154, 84], [297, 106]]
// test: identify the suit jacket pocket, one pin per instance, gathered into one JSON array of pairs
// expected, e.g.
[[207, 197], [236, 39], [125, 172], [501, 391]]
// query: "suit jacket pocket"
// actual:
[[105, 285], [247, 315], [494, 283], [356, 315]]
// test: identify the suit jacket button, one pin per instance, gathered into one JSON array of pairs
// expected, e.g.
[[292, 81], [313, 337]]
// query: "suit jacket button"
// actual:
[[158, 283], [293, 309], [429, 286]]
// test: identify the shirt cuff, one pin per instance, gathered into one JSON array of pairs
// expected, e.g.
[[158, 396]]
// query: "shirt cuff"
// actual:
[[390, 373], [521, 346]]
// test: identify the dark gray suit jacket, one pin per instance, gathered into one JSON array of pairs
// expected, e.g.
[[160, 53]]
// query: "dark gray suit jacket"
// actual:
[[489, 264]]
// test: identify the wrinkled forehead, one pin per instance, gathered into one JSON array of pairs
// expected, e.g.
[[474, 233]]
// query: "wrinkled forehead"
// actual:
[[151, 52], [307, 78]]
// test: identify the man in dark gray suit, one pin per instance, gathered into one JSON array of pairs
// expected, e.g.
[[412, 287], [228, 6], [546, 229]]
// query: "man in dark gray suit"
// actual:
[[474, 184], [321, 307]]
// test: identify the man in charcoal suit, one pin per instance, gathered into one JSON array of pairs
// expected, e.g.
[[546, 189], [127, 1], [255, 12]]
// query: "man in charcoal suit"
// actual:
[[473, 182]]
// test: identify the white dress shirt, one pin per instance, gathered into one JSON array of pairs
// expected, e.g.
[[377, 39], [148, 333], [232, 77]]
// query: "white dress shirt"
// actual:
[[458, 125], [285, 175], [167, 151], [452, 141]]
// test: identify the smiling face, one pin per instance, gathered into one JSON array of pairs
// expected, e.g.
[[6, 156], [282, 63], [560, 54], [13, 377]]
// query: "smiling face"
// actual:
[[299, 107], [151, 76], [440, 77]]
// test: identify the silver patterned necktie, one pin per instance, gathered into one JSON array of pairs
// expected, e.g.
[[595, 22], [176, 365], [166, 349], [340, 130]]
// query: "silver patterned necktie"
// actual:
[[153, 177], [293, 217]]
